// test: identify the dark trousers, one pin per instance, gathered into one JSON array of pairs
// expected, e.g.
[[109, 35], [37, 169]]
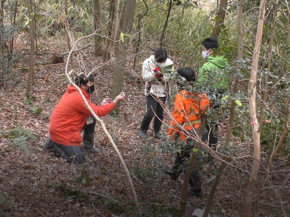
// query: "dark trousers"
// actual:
[[182, 160], [73, 153], [154, 109]]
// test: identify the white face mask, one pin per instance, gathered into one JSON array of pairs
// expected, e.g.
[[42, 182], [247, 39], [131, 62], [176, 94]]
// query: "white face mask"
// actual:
[[204, 54]]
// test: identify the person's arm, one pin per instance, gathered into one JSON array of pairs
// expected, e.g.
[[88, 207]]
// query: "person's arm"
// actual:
[[204, 104], [119, 98], [177, 115], [148, 74]]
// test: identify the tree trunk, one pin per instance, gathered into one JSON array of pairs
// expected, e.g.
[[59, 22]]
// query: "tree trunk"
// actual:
[[67, 32], [166, 23], [31, 62], [232, 111], [252, 106], [97, 7], [123, 50], [192, 161], [113, 29], [220, 19]]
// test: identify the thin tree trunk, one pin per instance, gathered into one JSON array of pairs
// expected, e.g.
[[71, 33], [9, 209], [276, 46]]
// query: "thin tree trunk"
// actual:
[[232, 110], [67, 32], [31, 62], [192, 160], [118, 76], [139, 33], [220, 19], [265, 89], [253, 114], [112, 29], [97, 8], [166, 23]]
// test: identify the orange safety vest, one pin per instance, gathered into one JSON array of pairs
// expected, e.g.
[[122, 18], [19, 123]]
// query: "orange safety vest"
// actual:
[[188, 108]]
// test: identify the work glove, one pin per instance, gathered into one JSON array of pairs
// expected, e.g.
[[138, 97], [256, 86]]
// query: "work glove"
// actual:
[[158, 73]]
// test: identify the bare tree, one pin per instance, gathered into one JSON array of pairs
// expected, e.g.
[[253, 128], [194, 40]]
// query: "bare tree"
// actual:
[[166, 22], [31, 76], [113, 29], [253, 114], [97, 7], [220, 18], [232, 110], [118, 76]]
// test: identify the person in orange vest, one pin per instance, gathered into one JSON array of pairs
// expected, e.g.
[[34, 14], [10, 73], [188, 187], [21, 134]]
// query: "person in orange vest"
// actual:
[[189, 107], [70, 116]]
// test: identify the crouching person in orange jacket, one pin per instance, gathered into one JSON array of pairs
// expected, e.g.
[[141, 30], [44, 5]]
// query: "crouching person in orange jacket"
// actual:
[[189, 106], [71, 116]]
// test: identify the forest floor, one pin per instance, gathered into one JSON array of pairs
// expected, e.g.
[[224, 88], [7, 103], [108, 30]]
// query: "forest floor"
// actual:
[[37, 183]]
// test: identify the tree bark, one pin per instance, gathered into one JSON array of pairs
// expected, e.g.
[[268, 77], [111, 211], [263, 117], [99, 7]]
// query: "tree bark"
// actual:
[[232, 110], [97, 7], [166, 23], [31, 61], [113, 29], [192, 160], [123, 50], [253, 114], [220, 19]]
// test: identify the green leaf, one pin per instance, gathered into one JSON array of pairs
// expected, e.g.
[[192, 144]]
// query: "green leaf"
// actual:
[[238, 102], [122, 36], [27, 21], [27, 101], [225, 98], [36, 110], [194, 150]]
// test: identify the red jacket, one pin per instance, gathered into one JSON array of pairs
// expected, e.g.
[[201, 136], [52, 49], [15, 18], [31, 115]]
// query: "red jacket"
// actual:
[[70, 115], [188, 108]]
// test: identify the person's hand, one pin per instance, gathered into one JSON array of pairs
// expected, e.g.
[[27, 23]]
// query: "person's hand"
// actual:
[[106, 101], [120, 97]]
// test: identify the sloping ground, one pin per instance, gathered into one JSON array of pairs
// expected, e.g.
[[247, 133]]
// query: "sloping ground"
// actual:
[[40, 184]]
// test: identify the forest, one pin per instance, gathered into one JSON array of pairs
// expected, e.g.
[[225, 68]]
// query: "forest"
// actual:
[[45, 44]]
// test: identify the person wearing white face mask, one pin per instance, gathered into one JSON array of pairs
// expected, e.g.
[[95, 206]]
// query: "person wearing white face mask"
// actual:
[[213, 79], [155, 91]]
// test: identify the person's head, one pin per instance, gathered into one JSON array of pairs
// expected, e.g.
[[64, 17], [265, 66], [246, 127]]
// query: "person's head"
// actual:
[[185, 76], [209, 45], [160, 56], [86, 83]]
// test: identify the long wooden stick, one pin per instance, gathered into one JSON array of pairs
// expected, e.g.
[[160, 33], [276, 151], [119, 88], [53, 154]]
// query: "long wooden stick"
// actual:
[[100, 121]]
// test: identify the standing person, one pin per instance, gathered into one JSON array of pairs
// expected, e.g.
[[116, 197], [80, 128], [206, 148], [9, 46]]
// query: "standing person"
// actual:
[[212, 77], [155, 91], [71, 116], [189, 107]]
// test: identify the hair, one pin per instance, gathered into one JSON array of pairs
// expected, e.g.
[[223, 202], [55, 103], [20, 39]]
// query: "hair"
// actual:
[[160, 55], [210, 43], [187, 73], [83, 79]]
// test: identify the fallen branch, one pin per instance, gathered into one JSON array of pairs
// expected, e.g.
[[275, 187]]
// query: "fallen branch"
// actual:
[[100, 120]]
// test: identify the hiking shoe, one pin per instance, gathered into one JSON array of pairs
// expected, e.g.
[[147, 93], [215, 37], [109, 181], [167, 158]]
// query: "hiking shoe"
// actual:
[[91, 150], [173, 176], [158, 135], [143, 134], [48, 145], [196, 193]]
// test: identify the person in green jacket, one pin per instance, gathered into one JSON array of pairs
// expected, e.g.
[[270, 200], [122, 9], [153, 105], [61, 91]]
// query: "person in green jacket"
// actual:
[[213, 80]]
